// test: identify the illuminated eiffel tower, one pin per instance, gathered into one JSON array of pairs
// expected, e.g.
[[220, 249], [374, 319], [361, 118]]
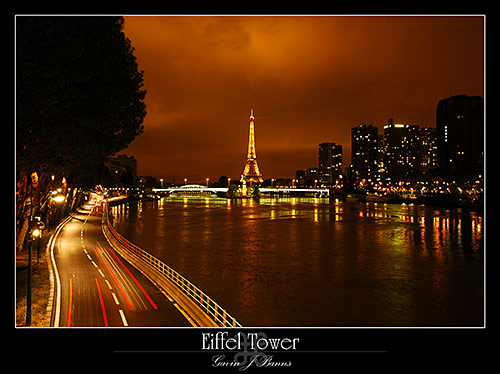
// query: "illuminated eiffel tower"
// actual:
[[251, 172]]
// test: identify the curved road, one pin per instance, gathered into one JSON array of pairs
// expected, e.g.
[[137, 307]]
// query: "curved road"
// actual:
[[98, 288]]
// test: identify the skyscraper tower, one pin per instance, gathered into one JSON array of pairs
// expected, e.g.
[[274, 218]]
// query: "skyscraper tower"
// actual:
[[365, 157], [251, 172], [460, 136], [330, 163]]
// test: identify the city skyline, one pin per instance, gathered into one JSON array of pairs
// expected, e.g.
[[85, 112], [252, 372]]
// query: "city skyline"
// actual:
[[309, 80]]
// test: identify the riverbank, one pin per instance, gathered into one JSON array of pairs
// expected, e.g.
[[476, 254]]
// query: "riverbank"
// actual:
[[474, 203]]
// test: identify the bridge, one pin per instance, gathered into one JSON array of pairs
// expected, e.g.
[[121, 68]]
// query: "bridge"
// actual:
[[191, 188], [264, 190]]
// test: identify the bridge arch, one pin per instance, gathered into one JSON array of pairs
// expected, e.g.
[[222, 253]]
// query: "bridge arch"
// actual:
[[193, 186]]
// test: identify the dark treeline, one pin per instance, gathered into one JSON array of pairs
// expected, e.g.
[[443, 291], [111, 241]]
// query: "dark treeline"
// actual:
[[79, 99]]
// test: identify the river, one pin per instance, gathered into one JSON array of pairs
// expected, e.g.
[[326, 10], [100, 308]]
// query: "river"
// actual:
[[307, 262]]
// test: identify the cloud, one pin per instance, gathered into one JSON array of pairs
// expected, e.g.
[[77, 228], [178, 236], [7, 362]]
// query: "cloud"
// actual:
[[309, 80]]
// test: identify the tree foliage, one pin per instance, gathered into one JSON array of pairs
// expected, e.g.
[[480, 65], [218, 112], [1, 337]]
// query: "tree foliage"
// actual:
[[79, 93]]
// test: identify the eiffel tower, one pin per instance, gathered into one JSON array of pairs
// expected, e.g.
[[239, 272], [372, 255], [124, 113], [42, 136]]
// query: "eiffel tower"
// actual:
[[251, 172]]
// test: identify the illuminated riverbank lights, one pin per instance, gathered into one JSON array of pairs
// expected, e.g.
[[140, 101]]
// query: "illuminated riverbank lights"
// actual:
[[251, 172]]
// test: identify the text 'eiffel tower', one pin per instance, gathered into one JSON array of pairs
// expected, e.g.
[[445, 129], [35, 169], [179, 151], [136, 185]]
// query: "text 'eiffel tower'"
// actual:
[[251, 172]]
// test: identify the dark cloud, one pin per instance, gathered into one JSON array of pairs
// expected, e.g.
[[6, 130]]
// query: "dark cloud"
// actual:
[[309, 80]]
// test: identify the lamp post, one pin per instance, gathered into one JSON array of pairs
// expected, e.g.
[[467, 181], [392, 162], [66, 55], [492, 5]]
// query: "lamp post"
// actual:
[[28, 296], [33, 182], [36, 233]]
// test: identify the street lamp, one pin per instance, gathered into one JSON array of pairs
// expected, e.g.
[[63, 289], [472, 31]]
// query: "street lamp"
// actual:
[[185, 180], [58, 197], [35, 233], [207, 181], [161, 181], [228, 182]]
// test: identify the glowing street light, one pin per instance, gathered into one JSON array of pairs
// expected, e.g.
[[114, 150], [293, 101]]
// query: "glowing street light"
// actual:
[[207, 181], [35, 233], [59, 198]]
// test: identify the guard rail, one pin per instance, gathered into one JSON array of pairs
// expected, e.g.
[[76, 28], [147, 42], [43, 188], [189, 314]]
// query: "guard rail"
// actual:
[[157, 270]]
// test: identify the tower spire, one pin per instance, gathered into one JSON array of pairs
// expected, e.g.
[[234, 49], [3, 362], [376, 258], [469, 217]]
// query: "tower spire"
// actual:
[[251, 171]]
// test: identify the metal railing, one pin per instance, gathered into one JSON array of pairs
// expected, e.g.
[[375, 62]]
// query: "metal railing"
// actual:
[[213, 310]]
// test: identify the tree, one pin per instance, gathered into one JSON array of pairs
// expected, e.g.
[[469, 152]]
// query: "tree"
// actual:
[[126, 179], [232, 191], [223, 181], [79, 95], [79, 99], [256, 192]]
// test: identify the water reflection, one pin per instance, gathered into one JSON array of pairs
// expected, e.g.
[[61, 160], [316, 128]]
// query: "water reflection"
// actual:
[[307, 262]]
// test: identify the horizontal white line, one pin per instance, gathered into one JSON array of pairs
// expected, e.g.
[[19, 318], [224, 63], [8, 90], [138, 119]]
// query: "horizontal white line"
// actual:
[[222, 351]]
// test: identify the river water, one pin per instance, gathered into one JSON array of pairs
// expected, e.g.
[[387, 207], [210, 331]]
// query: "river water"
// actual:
[[308, 262]]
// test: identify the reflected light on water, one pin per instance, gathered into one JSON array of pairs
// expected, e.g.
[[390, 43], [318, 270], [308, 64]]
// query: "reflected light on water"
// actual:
[[406, 265]]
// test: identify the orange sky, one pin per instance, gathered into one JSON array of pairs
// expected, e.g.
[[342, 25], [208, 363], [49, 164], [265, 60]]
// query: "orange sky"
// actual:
[[308, 79]]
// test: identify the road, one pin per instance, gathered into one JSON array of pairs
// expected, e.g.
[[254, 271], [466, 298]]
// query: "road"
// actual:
[[98, 288]]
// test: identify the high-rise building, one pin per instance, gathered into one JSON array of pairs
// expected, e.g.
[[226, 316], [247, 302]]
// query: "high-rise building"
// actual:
[[365, 154], [460, 136], [428, 149], [312, 176], [401, 150], [330, 163]]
